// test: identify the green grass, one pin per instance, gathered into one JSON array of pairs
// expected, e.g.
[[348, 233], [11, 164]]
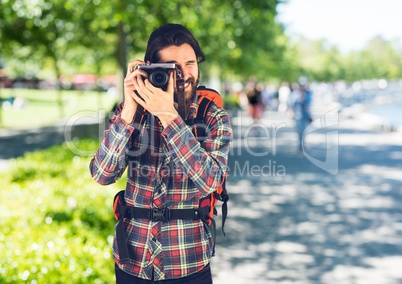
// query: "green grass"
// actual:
[[56, 221], [41, 108]]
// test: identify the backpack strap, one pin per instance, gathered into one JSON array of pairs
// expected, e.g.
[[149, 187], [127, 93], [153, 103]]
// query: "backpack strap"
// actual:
[[224, 197], [119, 208], [122, 210], [199, 123], [199, 130], [211, 94]]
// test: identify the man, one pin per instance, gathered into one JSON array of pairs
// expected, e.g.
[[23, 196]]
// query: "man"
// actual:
[[299, 102], [167, 166]]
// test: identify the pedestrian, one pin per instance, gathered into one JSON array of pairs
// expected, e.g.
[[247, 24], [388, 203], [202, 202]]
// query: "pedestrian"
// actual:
[[255, 102], [299, 107], [283, 96], [167, 167], [268, 97]]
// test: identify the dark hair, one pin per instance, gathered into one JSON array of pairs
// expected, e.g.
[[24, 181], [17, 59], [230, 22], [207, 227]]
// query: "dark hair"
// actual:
[[168, 35]]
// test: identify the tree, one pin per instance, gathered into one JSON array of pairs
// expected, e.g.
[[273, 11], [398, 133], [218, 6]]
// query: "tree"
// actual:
[[239, 37], [321, 61], [44, 28]]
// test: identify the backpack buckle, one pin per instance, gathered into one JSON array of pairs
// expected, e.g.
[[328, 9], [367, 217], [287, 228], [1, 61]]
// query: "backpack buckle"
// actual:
[[160, 215]]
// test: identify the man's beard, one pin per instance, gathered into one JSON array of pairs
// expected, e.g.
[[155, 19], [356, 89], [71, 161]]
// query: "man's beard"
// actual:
[[190, 94]]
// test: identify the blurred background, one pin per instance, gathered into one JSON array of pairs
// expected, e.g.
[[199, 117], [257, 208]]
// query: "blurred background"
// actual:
[[326, 213]]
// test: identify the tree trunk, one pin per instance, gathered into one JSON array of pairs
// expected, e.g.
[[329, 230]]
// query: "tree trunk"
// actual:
[[122, 60], [60, 103]]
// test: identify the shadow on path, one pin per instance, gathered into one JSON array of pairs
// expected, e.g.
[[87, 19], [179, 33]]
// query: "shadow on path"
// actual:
[[310, 226], [14, 144]]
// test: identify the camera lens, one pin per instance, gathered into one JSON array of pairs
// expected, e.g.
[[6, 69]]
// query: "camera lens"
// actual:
[[159, 78]]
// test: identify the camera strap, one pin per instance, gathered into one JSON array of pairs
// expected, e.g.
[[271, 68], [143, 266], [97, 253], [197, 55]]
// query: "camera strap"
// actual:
[[181, 99]]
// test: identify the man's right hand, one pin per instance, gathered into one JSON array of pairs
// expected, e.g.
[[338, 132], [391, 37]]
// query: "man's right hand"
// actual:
[[130, 105]]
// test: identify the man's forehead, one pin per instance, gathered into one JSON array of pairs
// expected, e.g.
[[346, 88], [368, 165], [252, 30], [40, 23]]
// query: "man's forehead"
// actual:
[[177, 54]]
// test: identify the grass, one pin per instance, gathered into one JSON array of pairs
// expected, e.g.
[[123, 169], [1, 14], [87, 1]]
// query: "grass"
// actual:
[[57, 222], [41, 109]]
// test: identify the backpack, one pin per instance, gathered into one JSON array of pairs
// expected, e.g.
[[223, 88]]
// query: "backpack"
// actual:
[[206, 97], [207, 205]]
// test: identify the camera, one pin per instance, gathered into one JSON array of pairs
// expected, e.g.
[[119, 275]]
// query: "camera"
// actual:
[[158, 73]]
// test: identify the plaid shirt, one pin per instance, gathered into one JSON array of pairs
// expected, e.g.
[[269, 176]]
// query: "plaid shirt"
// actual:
[[167, 168]]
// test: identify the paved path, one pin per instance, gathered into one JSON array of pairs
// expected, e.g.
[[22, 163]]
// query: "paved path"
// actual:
[[15, 143], [293, 219]]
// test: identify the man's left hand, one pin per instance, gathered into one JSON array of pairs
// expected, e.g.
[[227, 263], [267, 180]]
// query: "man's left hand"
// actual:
[[158, 102]]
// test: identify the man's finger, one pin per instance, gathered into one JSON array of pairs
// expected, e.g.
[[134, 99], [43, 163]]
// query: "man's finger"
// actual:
[[170, 86], [139, 99]]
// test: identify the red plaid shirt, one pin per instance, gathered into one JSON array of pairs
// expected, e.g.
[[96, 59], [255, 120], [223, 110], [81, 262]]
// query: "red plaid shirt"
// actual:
[[167, 168]]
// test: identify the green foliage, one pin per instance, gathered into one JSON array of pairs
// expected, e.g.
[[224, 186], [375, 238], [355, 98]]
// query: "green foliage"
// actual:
[[57, 223], [239, 37], [231, 102], [321, 61]]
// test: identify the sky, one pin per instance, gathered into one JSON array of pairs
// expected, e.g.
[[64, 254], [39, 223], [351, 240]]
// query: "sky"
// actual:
[[349, 24]]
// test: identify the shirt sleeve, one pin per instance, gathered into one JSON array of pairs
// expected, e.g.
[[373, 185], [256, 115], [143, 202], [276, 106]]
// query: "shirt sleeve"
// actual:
[[109, 162], [204, 163]]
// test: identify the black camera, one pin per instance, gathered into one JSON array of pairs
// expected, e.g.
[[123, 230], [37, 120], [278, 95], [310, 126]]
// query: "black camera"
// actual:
[[158, 73]]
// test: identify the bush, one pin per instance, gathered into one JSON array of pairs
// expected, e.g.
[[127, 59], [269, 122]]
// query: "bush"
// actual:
[[231, 102], [56, 222]]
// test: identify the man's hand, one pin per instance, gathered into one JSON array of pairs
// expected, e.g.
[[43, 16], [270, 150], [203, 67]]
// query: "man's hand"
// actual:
[[158, 102], [130, 104]]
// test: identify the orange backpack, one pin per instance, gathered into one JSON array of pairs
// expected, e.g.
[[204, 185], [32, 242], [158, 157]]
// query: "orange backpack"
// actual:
[[206, 209], [205, 98]]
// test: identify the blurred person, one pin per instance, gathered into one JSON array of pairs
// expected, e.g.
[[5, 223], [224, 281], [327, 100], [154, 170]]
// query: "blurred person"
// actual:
[[168, 168], [254, 97], [268, 97], [283, 96], [299, 107]]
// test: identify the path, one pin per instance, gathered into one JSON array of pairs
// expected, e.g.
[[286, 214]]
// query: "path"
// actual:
[[308, 225], [15, 143]]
